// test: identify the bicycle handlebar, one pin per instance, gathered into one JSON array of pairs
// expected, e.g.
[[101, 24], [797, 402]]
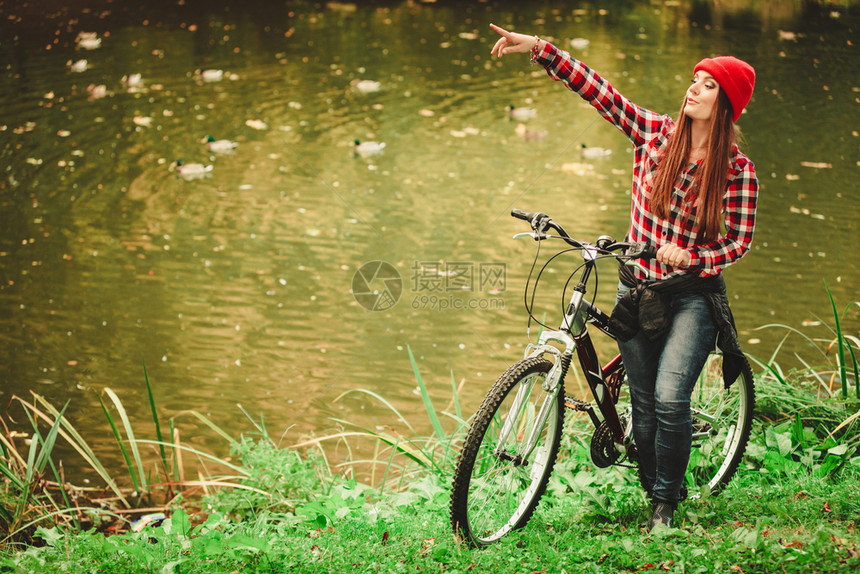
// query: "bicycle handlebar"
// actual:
[[540, 221]]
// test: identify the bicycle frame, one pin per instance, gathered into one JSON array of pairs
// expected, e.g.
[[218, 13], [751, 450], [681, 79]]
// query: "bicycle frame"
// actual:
[[604, 381]]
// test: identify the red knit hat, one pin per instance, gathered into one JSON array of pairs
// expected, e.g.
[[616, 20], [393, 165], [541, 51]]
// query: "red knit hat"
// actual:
[[735, 77]]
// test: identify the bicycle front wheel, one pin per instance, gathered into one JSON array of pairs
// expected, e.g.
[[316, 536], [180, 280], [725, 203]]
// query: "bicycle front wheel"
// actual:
[[508, 454], [722, 420]]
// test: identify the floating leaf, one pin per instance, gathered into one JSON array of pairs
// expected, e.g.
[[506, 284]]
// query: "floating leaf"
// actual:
[[257, 124]]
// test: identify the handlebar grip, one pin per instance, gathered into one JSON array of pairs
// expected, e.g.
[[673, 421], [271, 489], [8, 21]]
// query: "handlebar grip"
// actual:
[[533, 217], [520, 214], [642, 251], [649, 251]]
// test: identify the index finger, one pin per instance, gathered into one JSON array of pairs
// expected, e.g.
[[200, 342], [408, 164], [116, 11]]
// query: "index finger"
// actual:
[[500, 30]]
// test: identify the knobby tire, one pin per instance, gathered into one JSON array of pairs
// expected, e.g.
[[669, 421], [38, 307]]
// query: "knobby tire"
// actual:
[[493, 495]]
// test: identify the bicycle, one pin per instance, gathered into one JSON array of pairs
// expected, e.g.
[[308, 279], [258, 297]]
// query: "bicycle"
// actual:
[[512, 444]]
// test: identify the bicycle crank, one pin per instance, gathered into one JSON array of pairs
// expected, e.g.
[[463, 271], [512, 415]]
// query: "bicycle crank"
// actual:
[[603, 450]]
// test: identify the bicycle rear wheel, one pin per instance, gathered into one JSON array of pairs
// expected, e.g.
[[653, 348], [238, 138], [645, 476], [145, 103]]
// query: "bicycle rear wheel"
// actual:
[[722, 420], [497, 485]]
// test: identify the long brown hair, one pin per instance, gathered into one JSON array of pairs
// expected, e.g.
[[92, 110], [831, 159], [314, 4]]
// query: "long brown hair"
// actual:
[[711, 177]]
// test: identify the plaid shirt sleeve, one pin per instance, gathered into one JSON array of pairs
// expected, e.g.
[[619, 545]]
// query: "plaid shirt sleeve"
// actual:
[[740, 207], [636, 122]]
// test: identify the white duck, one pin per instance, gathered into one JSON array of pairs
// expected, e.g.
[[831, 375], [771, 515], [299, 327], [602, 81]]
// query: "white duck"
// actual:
[[132, 80], [367, 86], [97, 91], [212, 75], [142, 121], [594, 152], [365, 149], [521, 114], [220, 146], [189, 171], [88, 41], [579, 43]]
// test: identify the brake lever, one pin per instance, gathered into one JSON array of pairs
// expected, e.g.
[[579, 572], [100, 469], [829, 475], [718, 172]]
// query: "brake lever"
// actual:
[[531, 234], [539, 224], [636, 265]]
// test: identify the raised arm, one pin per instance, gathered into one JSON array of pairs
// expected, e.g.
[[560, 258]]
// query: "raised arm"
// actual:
[[637, 123]]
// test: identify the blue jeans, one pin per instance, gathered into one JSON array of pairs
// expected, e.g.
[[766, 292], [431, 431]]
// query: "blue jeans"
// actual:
[[662, 374]]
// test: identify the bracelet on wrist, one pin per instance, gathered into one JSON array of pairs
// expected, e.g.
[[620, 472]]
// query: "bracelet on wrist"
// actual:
[[535, 50]]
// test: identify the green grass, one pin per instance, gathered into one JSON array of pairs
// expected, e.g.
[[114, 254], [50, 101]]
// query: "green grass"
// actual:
[[792, 508], [330, 504], [776, 516]]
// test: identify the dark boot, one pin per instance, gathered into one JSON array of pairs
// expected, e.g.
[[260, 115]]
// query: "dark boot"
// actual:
[[662, 514]]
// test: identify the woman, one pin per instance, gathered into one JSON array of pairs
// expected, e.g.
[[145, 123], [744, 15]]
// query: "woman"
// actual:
[[689, 181]]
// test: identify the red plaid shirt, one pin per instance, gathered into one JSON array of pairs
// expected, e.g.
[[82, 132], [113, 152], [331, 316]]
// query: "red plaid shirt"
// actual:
[[649, 132]]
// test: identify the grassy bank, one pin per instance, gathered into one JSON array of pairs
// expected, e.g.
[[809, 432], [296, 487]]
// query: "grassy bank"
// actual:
[[266, 508], [781, 514]]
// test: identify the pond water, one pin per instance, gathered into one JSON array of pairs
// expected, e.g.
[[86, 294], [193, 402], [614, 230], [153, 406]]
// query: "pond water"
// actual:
[[237, 287]]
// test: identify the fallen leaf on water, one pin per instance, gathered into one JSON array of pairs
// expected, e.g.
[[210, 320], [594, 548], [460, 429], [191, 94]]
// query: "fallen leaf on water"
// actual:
[[577, 168], [257, 124]]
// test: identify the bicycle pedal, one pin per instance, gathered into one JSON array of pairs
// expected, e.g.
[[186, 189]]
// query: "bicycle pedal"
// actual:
[[582, 407], [576, 404]]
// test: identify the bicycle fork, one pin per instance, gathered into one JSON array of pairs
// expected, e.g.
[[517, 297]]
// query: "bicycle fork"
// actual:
[[551, 386]]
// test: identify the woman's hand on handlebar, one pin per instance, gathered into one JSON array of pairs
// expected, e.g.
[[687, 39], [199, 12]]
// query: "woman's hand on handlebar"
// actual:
[[673, 256], [511, 42]]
